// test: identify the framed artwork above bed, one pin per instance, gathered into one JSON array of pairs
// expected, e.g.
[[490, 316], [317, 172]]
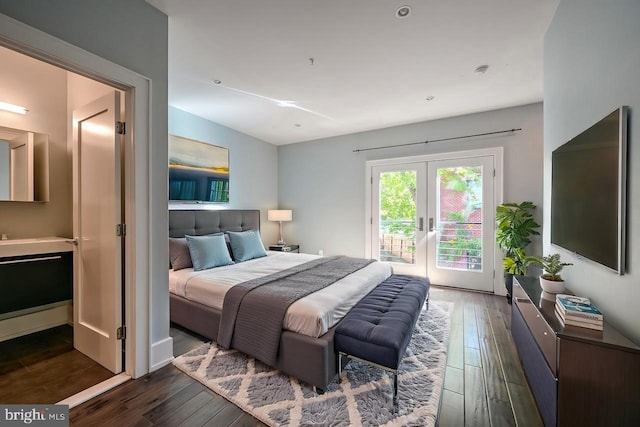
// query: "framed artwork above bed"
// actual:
[[198, 171]]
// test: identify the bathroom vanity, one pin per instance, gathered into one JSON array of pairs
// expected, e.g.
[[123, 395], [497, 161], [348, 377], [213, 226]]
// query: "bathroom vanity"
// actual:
[[36, 281]]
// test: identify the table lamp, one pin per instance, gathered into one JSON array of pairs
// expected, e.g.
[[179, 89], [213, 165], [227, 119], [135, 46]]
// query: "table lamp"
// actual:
[[279, 215]]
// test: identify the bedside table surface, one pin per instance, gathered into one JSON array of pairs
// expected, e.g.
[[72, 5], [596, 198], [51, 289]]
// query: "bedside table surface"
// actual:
[[285, 248]]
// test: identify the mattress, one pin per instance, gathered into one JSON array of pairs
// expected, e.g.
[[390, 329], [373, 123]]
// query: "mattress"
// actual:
[[312, 315]]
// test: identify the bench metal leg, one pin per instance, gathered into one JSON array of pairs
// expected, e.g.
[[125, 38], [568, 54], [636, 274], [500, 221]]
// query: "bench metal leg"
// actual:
[[391, 370], [395, 388]]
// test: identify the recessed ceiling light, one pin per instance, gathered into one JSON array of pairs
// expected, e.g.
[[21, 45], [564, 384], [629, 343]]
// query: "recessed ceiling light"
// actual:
[[481, 69], [430, 98], [217, 81], [403, 11]]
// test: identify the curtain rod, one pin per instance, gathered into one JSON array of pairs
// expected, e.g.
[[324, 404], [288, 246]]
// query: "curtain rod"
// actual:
[[438, 140]]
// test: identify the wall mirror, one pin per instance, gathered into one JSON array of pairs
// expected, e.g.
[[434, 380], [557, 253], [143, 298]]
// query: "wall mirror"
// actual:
[[24, 166]]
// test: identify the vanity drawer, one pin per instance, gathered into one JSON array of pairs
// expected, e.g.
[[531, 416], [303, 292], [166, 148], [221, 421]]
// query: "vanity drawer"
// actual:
[[541, 331], [35, 280]]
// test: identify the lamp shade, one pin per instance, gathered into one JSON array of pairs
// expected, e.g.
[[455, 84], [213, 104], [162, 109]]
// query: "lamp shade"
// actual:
[[279, 215]]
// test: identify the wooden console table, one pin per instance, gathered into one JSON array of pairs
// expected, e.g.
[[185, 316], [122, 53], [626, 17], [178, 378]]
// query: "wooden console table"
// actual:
[[578, 377]]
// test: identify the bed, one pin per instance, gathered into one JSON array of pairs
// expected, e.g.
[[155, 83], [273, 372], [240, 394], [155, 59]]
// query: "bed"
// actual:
[[306, 346]]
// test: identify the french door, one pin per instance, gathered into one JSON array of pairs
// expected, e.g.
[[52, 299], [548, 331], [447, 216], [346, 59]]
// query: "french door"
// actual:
[[436, 219], [399, 231]]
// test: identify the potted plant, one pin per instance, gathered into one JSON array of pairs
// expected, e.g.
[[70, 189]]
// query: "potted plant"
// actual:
[[515, 224], [517, 263], [550, 280]]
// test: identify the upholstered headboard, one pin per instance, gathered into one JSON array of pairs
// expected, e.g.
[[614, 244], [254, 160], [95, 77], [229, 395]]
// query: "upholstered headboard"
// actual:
[[200, 222]]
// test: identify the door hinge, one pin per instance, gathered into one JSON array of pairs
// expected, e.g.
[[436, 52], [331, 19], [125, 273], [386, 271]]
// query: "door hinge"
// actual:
[[121, 333], [121, 230], [121, 128]]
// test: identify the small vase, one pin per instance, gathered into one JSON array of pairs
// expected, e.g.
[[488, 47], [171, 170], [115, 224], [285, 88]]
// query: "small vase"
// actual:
[[551, 286]]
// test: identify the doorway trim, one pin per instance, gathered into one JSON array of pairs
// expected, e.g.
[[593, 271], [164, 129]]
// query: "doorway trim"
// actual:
[[496, 152], [30, 41]]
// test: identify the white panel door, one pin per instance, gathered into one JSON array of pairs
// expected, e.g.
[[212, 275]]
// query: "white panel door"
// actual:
[[461, 212], [398, 233], [97, 300]]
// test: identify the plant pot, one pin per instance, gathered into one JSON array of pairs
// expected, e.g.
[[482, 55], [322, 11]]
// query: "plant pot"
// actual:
[[508, 283], [551, 286]]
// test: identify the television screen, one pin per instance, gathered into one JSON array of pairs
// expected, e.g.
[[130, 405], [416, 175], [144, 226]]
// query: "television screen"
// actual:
[[588, 192]]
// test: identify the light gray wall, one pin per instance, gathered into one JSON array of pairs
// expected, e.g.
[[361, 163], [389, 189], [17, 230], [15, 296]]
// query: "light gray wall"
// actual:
[[253, 167], [591, 63], [133, 34], [42, 89], [324, 181]]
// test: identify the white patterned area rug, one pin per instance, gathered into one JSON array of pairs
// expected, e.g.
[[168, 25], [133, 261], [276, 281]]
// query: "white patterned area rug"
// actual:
[[362, 397]]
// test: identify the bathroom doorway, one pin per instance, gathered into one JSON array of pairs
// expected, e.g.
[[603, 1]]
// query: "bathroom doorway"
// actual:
[[42, 356]]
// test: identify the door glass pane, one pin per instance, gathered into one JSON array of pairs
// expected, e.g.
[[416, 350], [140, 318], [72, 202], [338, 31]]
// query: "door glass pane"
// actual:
[[397, 226], [459, 218]]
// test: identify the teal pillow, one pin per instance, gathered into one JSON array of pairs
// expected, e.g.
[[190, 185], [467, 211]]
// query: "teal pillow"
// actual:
[[208, 251], [246, 245]]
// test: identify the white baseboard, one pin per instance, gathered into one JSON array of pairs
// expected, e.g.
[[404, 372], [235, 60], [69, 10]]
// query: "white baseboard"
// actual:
[[34, 322], [161, 353]]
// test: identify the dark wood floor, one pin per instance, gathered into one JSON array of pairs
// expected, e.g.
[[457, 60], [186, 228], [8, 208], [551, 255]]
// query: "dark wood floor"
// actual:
[[166, 397], [43, 367], [484, 384]]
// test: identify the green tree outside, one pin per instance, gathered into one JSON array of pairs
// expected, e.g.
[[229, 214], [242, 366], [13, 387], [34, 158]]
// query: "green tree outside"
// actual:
[[398, 202]]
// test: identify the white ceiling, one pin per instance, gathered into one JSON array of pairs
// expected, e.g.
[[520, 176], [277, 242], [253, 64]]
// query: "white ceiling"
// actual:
[[370, 69]]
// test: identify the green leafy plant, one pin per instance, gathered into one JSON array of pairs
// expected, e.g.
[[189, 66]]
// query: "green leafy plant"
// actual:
[[459, 246], [551, 264], [398, 201], [515, 224], [461, 242]]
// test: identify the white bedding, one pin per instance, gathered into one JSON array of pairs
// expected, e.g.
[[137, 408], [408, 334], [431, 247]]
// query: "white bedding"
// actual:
[[312, 315]]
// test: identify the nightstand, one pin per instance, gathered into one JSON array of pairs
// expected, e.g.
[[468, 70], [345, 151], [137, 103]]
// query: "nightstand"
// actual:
[[285, 248]]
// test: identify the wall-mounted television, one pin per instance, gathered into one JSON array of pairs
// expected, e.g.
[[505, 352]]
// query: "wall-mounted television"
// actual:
[[588, 192]]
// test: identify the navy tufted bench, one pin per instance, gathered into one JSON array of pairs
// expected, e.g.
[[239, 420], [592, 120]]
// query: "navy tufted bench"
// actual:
[[378, 329]]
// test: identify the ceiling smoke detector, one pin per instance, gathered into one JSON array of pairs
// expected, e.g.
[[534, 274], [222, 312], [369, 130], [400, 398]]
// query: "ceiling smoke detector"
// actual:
[[403, 12], [481, 69]]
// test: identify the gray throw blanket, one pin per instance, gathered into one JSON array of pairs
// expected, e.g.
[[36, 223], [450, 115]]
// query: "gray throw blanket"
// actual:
[[253, 311]]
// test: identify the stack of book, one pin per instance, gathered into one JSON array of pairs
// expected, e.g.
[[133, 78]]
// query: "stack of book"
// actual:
[[578, 311]]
